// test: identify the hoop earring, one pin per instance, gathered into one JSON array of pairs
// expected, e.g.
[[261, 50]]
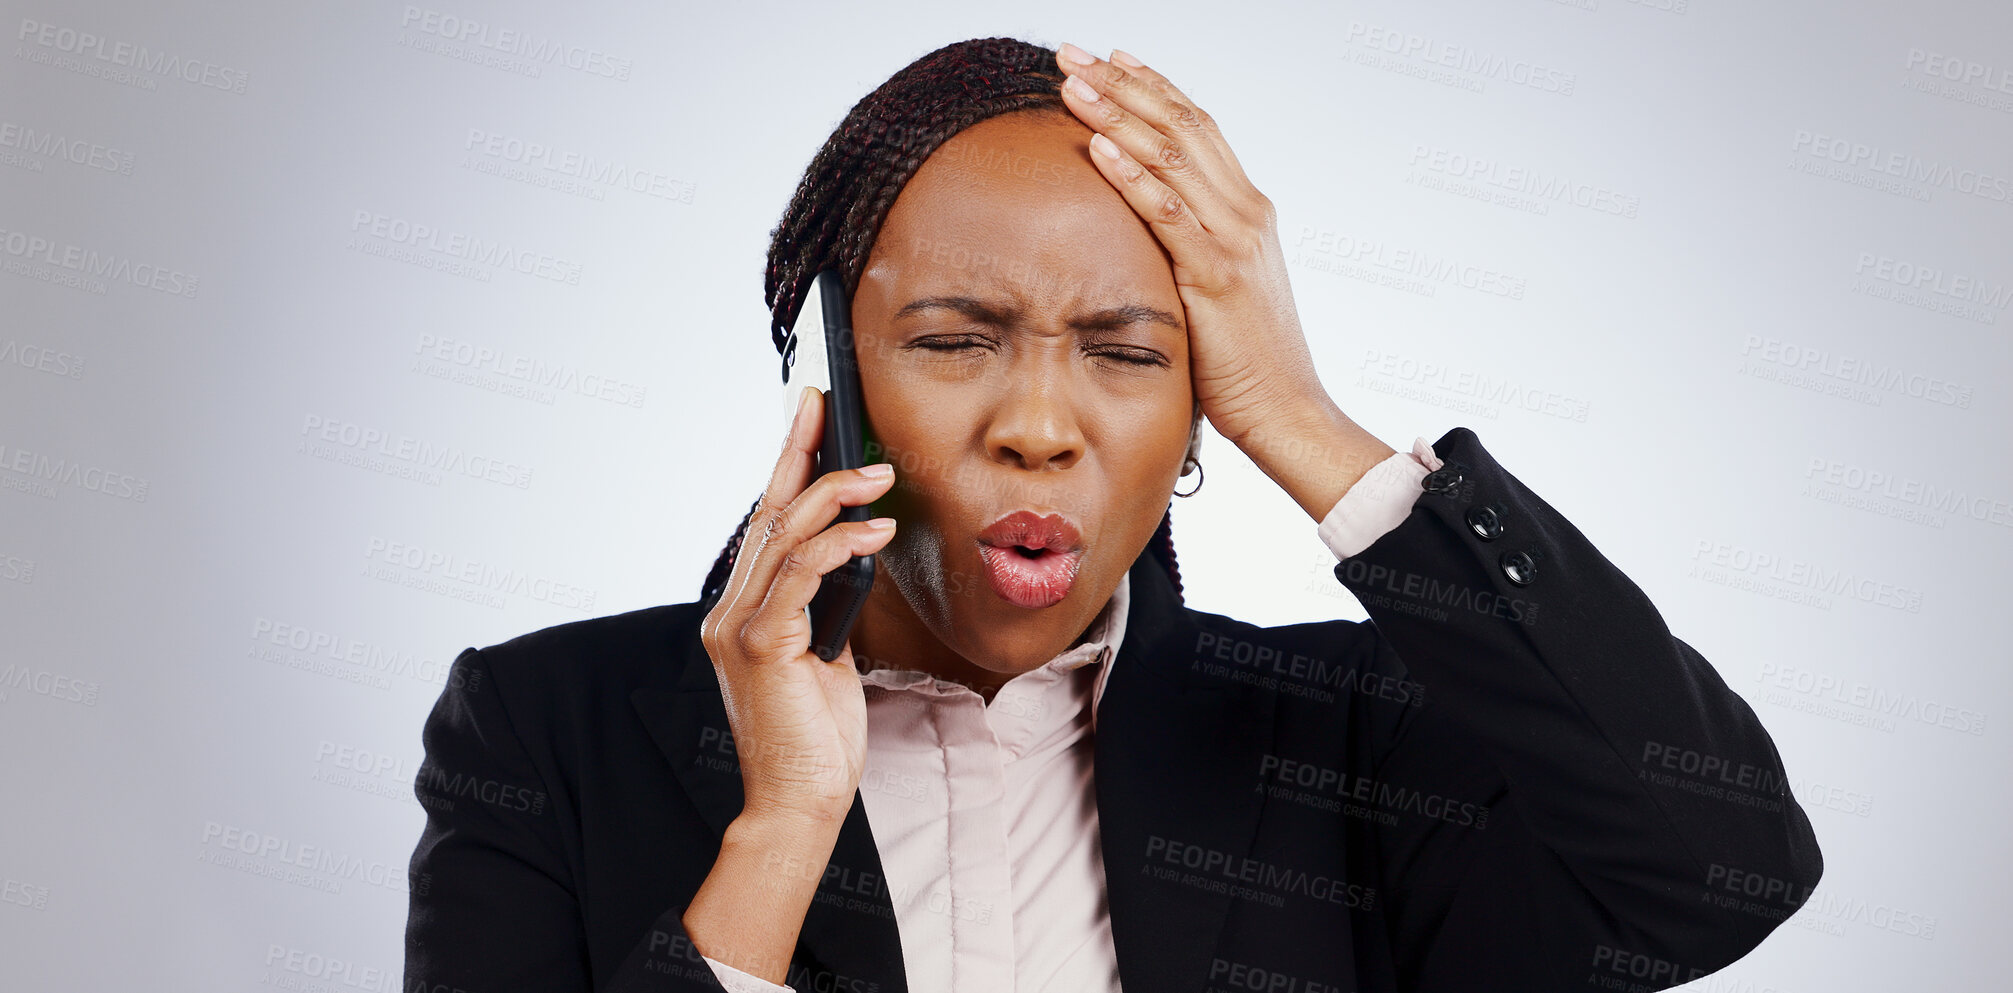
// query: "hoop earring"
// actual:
[[1197, 463]]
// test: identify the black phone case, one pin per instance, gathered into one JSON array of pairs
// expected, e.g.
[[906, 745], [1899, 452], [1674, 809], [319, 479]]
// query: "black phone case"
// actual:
[[837, 603]]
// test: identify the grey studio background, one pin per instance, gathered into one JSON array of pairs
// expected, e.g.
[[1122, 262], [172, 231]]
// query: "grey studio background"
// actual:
[[336, 337]]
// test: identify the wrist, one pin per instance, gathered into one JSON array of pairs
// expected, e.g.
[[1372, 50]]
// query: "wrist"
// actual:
[[750, 909], [783, 836], [1315, 453]]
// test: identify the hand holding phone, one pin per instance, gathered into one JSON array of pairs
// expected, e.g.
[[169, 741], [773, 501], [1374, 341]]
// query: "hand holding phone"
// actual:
[[819, 352], [799, 722]]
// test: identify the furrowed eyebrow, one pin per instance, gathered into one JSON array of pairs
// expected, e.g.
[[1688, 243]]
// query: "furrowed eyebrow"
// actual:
[[1004, 317], [1118, 317], [977, 310]]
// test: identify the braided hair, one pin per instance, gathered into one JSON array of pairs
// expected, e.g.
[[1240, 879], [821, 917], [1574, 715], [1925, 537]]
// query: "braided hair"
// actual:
[[850, 185]]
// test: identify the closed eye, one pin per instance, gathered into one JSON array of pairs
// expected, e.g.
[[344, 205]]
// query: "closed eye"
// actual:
[[1133, 357], [1138, 357], [952, 344]]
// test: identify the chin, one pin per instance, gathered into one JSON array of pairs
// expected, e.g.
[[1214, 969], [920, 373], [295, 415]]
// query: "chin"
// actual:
[[948, 588]]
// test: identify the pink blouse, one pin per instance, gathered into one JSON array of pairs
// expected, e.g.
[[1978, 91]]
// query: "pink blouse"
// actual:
[[985, 815]]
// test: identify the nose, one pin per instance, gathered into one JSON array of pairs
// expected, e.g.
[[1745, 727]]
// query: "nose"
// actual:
[[1035, 425]]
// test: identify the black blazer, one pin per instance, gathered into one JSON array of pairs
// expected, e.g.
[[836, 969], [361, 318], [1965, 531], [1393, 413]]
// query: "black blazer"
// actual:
[[1512, 777]]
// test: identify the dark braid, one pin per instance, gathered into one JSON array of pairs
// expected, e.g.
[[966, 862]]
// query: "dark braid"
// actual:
[[836, 213], [1162, 546], [847, 190], [716, 580]]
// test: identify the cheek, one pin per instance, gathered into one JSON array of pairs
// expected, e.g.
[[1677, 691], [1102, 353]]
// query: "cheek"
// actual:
[[923, 492], [902, 423], [915, 563]]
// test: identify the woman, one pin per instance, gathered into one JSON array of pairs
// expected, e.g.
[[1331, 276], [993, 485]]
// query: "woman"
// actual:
[[1034, 767]]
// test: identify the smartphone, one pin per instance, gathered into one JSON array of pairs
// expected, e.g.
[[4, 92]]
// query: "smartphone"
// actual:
[[819, 352]]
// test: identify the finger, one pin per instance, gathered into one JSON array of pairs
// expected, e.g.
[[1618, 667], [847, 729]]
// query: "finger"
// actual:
[[1152, 97], [1172, 159], [779, 629], [1164, 210], [800, 451], [1163, 133], [792, 473], [1152, 76], [811, 512]]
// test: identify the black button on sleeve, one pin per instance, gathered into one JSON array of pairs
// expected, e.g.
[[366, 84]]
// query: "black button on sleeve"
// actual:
[[1486, 522], [1444, 479], [1519, 566]]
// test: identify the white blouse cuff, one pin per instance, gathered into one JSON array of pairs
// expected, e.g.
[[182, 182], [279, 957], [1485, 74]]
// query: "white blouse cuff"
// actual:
[[1379, 501], [737, 981]]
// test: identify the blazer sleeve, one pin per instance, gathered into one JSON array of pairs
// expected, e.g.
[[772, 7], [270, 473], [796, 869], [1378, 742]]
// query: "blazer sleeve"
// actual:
[[492, 899], [1631, 824]]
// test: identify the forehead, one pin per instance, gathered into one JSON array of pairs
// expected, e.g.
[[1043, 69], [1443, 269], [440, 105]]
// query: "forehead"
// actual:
[[1014, 203]]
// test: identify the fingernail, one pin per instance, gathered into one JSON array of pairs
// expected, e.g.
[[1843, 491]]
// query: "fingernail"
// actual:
[[1126, 59], [804, 400], [881, 523], [1104, 146], [1081, 89], [877, 470], [1077, 55]]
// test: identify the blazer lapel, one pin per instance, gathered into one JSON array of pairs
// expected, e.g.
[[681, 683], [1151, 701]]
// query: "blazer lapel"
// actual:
[[1175, 754], [850, 930], [1176, 759]]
